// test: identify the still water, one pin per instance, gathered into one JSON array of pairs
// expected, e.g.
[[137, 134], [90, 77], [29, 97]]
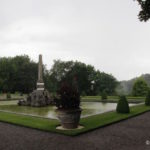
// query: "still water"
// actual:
[[88, 109]]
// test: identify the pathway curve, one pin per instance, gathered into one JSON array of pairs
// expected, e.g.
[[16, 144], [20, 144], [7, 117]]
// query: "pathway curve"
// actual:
[[131, 134]]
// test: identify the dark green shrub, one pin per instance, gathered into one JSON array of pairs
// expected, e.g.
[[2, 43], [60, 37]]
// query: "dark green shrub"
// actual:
[[147, 100], [104, 95], [8, 96], [68, 97], [123, 106]]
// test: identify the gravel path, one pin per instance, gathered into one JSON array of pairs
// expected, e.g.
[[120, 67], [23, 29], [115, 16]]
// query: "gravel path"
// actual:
[[126, 135]]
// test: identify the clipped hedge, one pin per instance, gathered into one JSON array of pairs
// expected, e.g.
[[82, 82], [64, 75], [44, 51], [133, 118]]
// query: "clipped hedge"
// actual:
[[147, 100], [123, 106]]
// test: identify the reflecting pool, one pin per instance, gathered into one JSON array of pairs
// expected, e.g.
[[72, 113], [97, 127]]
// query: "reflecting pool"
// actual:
[[89, 109]]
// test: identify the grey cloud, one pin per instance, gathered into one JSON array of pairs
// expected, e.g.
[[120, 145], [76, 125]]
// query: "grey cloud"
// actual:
[[106, 34]]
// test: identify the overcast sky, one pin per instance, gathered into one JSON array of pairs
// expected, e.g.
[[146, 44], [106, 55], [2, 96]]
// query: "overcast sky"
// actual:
[[104, 33]]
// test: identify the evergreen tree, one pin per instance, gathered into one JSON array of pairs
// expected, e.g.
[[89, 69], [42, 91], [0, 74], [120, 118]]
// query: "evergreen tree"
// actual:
[[123, 106], [147, 100]]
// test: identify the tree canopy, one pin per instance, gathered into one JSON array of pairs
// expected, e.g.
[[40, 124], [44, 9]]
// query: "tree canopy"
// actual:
[[140, 87], [19, 74], [144, 14], [89, 80]]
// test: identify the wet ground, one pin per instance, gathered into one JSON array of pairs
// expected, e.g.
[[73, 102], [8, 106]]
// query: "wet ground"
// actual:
[[130, 134]]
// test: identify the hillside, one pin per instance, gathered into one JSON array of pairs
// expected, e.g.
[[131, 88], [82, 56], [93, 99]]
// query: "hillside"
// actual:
[[125, 87]]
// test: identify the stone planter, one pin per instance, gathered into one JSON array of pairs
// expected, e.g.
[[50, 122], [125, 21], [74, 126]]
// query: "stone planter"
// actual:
[[69, 119]]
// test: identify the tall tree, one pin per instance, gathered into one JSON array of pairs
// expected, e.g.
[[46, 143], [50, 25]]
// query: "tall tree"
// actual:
[[25, 74], [90, 81], [105, 82], [20, 74], [17, 74], [140, 87], [144, 14]]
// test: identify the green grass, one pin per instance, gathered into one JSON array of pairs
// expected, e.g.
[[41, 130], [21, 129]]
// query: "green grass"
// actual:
[[28, 121], [89, 123], [9, 102], [131, 99], [13, 96], [114, 99]]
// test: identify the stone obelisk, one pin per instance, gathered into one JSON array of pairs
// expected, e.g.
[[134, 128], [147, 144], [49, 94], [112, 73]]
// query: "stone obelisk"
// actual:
[[39, 97], [40, 83]]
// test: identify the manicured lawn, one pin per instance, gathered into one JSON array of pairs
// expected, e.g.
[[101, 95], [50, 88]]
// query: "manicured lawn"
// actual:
[[131, 99], [89, 123], [13, 97]]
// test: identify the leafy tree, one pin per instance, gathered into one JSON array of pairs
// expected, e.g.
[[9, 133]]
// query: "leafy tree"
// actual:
[[17, 74], [140, 87], [50, 81], [26, 74], [20, 74], [105, 82], [144, 14], [6, 72], [84, 74], [67, 71], [125, 87], [56, 74]]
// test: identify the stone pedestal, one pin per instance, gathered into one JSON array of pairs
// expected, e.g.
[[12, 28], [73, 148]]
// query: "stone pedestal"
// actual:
[[39, 97]]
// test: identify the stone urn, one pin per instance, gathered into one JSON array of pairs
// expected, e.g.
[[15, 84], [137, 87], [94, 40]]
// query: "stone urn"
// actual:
[[69, 118]]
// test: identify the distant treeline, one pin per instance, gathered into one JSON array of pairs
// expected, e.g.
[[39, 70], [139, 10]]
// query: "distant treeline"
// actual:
[[19, 74], [126, 87]]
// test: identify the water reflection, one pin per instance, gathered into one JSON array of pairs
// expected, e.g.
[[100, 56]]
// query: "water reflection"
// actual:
[[89, 109]]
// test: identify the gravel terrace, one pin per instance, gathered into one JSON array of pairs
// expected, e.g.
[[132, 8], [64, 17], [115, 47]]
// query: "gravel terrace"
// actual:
[[131, 134]]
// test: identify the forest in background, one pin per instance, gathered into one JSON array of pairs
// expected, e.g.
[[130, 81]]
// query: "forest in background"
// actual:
[[19, 74]]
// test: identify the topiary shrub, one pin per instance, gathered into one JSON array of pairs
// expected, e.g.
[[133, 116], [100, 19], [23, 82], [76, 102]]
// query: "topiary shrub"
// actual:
[[8, 96], [104, 95], [122, 106], [147, 100]]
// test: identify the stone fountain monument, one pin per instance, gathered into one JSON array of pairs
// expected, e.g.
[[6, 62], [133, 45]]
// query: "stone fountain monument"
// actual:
[[39, 97]]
